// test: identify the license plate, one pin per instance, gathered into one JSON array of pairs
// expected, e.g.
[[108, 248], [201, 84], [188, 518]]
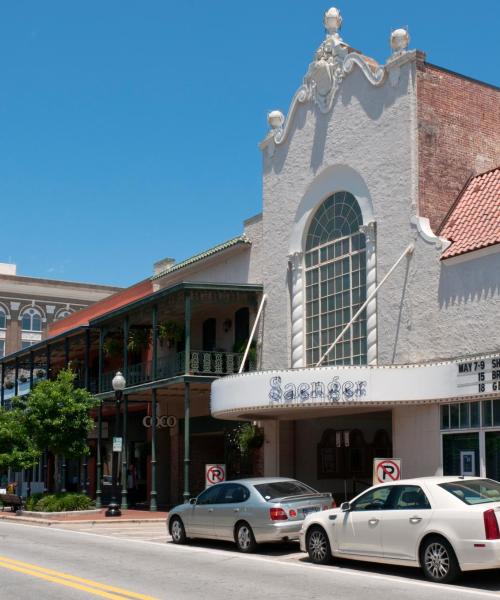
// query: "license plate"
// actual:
[[310, 509]]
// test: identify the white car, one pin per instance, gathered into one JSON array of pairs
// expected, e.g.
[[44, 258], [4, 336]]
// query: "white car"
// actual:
[[444, 525]]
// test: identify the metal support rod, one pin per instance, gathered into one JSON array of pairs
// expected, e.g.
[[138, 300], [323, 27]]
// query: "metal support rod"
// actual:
[[85, 474], [187, 329], [98, 491], [153, 505], [252, 333], [48, 361], [409, 250], [45, 472], [187, 410]]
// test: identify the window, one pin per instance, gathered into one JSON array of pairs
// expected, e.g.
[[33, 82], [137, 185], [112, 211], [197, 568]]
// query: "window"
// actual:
[[209, 334], [209, 496], [460, 416], [405, 497], [2, 348], [474, 492], [31, 320], [232, 493], [335, 262], [281, 489], [373, 500], [26, 344], [62, 314], [3, 318]]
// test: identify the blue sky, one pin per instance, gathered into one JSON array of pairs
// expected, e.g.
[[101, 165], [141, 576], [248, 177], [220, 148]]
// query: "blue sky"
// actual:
[[129, 130]]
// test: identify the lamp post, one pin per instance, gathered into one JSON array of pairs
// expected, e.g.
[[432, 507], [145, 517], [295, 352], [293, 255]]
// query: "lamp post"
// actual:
[[118, 384]]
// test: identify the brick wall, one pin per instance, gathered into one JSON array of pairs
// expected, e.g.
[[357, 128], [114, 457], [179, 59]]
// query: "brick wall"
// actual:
[[458, 136]]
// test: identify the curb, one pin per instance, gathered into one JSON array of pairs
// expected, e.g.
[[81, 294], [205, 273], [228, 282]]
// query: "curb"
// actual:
[[47, 523]]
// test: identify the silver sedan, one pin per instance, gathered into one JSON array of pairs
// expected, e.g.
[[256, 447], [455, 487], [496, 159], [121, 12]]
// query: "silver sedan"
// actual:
[[247, 511]]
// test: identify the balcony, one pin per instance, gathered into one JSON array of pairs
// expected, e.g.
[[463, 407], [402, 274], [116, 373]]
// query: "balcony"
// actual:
[[211, 364]]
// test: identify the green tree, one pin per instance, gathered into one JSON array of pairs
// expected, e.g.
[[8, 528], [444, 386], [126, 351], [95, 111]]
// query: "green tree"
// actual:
[[17, 449], [58, 417]]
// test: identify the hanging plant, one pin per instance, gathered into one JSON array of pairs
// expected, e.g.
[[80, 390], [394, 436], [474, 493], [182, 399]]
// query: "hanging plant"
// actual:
[[23, 378], [247, 437], [112, 347], [138, 340], [40, 373], [240, 347], [172, 332], [8, 385]]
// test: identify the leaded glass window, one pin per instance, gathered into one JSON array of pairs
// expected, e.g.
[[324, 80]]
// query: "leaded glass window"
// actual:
[[335, 262], [2, 318], [31, 320]]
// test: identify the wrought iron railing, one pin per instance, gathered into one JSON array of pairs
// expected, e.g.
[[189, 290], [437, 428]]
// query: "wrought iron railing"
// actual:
[[201, 362]]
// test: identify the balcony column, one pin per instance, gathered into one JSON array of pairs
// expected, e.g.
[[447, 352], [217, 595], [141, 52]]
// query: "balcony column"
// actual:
[[187, 399], [86, 361], [98, 478], [124, 502], [32, 368], [48, 362], [154, 357], [101, 360], [66, 352], [153, 506], [16, 373], [2, 391]]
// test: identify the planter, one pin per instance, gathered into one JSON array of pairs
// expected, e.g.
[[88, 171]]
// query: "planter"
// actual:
[[51, 515]]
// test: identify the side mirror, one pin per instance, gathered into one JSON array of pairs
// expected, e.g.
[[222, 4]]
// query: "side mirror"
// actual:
[[192, 500], [345, 507]]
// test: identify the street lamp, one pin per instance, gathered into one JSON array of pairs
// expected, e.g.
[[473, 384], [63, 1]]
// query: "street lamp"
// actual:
[[118, 384]]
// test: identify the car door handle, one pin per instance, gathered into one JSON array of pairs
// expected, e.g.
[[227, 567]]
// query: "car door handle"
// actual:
[[415, 520], [236, 509], [210, 510], [372, 521]]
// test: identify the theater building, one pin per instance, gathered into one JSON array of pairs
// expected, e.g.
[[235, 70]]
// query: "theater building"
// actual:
[[380, 246], [368, 289]]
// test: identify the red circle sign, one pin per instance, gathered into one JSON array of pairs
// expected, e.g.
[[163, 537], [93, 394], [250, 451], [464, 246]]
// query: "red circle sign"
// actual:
[[215, 474], [388, 470]]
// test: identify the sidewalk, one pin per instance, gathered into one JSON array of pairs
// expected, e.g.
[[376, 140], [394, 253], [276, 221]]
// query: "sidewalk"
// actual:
[[128, 516]]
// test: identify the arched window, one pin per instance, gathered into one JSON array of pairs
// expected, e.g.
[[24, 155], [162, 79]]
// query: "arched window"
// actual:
[[3, 318], [335, 261], [63, 313], [31, 320]]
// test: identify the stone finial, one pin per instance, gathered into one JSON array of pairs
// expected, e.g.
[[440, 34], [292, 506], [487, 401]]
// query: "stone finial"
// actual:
[[332, 20], [275, 119], [400, 38]]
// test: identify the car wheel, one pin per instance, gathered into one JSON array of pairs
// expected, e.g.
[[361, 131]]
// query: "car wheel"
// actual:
[[177, 531], [438, 560], [244, 538], [318, 546]]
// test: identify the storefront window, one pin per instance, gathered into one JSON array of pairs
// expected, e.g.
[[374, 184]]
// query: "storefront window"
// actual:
[[335, 281], [461, 416], [461, 454], [492, 439]]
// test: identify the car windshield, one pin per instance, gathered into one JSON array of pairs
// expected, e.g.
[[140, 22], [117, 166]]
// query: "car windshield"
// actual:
[[280, 489], [477, 491]]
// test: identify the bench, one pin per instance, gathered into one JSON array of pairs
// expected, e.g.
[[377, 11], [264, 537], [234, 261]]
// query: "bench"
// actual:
[[15, 502]]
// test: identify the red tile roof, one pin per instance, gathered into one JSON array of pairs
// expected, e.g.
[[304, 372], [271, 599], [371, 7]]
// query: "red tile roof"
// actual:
[[121, 298], [474, 220]]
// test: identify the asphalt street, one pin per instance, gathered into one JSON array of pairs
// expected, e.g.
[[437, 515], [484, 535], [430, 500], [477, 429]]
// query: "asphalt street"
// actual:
[[135, 561]]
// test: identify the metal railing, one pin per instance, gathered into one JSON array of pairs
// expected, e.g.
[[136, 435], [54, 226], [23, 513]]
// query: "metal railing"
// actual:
[[201, 362]]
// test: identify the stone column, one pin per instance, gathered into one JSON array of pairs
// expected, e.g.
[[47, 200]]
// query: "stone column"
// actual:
[[371, 283], [297, 310]]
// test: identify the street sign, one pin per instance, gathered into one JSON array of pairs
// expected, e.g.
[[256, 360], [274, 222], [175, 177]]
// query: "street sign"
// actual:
[[386, 470], [117, 444], [214, 474]]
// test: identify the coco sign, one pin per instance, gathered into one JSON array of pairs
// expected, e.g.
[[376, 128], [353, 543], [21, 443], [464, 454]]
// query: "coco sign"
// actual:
[[162, 422]]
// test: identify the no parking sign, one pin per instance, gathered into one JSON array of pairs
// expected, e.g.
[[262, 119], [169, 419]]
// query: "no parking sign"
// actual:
[[386, 470], [214, 474]]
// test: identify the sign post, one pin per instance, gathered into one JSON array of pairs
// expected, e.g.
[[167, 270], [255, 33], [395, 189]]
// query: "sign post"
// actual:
[[386, 470], [214, 474]]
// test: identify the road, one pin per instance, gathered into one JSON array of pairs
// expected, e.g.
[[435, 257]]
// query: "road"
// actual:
[[134, 561]]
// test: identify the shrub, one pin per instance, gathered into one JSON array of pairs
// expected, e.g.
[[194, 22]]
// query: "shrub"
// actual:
[[59, 502]]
